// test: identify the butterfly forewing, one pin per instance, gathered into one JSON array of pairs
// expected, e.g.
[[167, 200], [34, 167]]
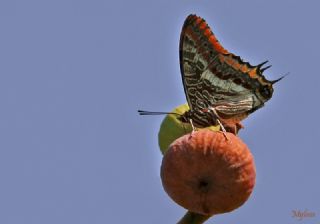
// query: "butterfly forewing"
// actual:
[[196, 52]]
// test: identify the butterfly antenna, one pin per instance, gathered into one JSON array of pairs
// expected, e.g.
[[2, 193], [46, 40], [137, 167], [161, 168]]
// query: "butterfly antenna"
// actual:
[[144, 112]]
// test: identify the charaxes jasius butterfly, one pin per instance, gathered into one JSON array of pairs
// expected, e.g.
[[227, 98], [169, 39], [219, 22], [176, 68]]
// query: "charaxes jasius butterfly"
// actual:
[[220, 88]]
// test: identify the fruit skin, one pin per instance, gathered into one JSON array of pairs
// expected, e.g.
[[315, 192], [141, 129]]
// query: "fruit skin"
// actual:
[[172, 128], [208, 174]]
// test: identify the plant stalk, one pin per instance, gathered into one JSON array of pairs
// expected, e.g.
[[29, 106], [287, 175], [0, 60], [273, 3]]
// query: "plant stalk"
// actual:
[[193, 218]]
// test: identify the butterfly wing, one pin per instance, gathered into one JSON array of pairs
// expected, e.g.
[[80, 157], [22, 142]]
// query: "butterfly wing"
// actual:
[[197, 49], [213, 77]]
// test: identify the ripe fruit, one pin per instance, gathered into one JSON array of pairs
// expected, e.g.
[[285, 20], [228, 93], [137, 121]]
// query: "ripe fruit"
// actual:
[[172, 128], [208, 174]]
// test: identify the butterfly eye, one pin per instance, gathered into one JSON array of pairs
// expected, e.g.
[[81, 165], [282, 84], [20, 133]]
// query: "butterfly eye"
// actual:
[[265, 92]]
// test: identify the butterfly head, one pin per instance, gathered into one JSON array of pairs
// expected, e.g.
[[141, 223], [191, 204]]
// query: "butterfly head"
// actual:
[[265, 92]]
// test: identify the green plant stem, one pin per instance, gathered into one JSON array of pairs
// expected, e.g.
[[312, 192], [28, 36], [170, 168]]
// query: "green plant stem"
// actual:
[[193, 218]]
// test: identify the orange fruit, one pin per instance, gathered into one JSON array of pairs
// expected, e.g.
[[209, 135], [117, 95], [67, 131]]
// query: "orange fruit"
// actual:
[[208, 173]]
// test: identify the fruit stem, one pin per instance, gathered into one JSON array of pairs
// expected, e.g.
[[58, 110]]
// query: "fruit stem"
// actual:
[[193, 218]]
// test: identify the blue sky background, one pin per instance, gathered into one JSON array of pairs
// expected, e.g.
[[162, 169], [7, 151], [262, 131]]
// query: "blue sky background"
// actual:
[[73, 73]]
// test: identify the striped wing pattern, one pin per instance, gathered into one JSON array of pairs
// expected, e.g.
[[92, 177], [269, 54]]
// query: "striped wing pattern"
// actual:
[[214, 78]]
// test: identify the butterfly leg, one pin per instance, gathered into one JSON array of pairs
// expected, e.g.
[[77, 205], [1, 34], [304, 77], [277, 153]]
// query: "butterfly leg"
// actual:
[[221, 125], [193, 128]]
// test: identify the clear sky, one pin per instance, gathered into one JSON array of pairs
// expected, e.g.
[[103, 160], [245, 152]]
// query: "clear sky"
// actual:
[[73, 73]]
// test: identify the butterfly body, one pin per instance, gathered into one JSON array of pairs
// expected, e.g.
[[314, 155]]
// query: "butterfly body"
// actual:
[[217, 84]]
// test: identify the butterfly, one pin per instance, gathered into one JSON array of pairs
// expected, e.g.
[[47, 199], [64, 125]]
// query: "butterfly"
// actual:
[[221, 89], [219, 86]]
